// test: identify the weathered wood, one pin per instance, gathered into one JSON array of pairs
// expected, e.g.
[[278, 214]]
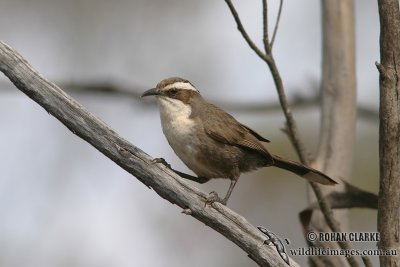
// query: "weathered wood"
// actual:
[[161, 179], [389, 131]]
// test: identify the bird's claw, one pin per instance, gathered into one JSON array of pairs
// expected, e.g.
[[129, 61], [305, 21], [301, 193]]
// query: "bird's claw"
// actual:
[[213, 197], [162, 161]]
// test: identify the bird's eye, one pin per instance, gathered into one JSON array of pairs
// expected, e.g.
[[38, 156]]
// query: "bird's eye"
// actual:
[[173, 92]]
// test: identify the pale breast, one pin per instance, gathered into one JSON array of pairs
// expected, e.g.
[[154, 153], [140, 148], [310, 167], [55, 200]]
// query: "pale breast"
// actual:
[[179, 129], [198, 155]]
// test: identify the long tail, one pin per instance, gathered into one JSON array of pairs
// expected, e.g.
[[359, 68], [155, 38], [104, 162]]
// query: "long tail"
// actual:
[[303, 171]]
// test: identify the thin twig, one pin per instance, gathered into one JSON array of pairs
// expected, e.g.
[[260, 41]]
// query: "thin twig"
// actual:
[[241, 29], [292, 127], [265, 27], [278, 18], [293, 132]]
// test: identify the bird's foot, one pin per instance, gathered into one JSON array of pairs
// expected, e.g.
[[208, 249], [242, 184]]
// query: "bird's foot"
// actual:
[[200, 180], [162, 161], [213, 197]]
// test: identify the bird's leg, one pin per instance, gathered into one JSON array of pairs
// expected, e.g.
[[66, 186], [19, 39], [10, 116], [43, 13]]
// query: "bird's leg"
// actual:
[[213, 196], [230, 189], [200, 180]]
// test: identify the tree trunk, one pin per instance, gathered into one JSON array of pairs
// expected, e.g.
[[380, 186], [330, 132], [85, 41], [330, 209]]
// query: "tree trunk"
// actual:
[[389, 131], [338, 119]]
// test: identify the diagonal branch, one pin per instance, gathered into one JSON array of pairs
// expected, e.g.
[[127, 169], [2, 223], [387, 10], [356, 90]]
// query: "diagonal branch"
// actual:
[[158, 177], [350, 197], [278, 18], [268, 58], [241, 29]]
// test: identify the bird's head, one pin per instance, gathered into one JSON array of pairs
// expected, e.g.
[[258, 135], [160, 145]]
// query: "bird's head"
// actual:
[[174, 88], [174, 94]]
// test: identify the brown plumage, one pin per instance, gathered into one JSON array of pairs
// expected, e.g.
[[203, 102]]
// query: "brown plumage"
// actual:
[[211, 142]]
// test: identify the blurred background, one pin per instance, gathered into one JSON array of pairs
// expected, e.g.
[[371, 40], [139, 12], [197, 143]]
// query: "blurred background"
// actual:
[[62, 203]]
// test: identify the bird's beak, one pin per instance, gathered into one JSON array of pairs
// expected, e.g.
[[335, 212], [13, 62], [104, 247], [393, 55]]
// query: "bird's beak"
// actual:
[[152, 91]]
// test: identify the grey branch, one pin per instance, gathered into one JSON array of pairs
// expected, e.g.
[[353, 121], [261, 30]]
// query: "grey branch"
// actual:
[[350, 197], [242, 30], [278, 18], [389, 131], [157, 176]]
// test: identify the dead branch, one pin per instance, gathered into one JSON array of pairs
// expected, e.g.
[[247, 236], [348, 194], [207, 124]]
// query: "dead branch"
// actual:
[[350, 197], [278, 19], [156, 176]]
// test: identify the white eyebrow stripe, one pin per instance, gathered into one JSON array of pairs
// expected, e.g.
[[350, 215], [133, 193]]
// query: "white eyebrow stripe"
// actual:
[[181, 85]]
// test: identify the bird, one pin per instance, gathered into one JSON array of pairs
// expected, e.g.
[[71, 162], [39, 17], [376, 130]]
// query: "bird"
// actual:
[[211, 142]]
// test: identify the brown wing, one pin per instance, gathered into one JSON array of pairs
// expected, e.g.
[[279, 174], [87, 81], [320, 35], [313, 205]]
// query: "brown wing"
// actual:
[[223, 128], [259, 137]]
